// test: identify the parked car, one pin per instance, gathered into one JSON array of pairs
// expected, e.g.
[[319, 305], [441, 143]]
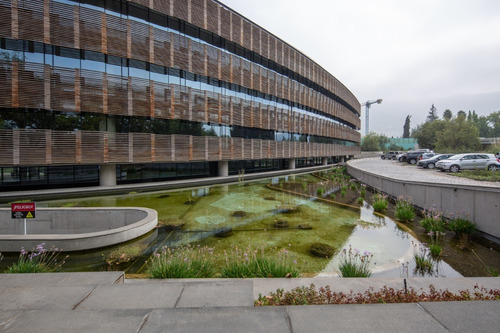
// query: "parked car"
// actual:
[[390, 155], [430, 163], [470, 161], [413, 157], [403, 157], [427, 155]]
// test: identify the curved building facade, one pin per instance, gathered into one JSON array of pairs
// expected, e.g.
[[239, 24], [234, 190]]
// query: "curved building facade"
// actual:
[[106, 91]]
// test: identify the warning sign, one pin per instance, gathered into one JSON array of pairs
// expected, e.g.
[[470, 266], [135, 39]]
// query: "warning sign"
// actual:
[[25, 210]]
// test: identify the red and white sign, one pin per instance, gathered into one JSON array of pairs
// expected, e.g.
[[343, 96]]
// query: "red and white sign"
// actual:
[[23, 210]]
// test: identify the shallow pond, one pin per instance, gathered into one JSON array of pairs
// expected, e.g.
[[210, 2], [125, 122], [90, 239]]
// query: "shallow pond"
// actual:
[[256, 217]]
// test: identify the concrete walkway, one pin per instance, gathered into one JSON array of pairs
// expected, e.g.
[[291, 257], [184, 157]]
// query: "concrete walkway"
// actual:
[[106, 302]]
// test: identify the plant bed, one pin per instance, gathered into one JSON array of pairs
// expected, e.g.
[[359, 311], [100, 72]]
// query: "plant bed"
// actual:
[[312, 296]]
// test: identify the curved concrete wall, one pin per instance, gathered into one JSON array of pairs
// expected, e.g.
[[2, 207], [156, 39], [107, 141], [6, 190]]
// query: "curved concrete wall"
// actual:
[[74, 229], [481, 203]]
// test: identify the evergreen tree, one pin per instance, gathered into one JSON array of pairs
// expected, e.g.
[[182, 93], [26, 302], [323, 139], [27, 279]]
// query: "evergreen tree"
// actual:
[[406, 127], [432, 116], [447, 114]]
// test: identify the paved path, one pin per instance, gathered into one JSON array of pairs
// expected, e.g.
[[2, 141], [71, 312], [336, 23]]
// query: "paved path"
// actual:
[[408, 172], [106, 302]]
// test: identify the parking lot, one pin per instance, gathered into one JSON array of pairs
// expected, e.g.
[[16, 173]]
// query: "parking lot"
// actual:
[[407, 172]]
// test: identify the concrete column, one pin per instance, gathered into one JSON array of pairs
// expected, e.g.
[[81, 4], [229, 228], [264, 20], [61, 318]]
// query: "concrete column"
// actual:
[[291, 163], [342, 159], [107, 175], [223, 169], [325, 160]]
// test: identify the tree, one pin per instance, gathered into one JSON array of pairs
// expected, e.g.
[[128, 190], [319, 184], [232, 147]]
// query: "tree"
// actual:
[[432, 115], [406, 127], [374, 142], [447, 114], [494, 123], [458, 136], [461, 113], [485, 131], [426, 133]]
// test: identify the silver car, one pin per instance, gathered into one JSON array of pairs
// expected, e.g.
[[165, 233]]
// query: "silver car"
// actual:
[[469, 162]]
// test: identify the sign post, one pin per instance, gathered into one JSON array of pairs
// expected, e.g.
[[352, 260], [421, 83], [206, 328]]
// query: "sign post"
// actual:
[[23, 211]]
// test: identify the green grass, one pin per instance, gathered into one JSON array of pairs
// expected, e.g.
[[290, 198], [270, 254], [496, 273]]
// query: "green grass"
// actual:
[[199, 262], [258, 268], [183, 262], [481, 175]]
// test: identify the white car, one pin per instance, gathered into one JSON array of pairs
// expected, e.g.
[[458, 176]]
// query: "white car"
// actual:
[[469, 162]]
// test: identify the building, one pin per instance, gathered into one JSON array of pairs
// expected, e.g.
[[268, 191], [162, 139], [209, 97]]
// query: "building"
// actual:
[[114, 91]]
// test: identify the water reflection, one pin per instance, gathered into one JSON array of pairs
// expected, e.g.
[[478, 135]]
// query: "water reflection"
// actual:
[[391, 247]]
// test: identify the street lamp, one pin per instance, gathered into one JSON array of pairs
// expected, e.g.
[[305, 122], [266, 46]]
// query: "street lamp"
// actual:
[[367, 113]]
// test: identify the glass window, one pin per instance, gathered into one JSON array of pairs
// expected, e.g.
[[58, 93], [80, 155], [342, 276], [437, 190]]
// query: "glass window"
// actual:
[[115, 65], [86, 173], [66, 121], [93, 61], [10, 175]]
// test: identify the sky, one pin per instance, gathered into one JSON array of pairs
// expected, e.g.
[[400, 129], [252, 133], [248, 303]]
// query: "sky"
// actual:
[[412, 54]]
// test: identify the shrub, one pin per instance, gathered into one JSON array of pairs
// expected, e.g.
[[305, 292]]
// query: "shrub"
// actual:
[[362, 191], [463, 230], [352, 184], [253, 264], [461, 226], [433, 223], [182, 262], [360, 200], [354, 264], [322, 250], [404, 210], [320, 191], [39, 260], [380, 203]]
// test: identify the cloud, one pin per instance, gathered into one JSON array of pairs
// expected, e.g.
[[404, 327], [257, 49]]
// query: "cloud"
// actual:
[[410, 53]]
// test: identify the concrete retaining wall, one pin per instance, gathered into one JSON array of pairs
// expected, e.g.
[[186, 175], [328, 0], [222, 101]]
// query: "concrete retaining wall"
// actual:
[[480, 204], [74, 229]]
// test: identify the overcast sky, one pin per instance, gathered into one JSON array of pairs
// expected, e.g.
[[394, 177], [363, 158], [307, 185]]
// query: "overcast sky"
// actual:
[[412, 54]]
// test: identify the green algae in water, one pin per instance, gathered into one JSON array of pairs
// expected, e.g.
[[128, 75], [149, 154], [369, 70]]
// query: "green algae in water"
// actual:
[[212, 212]]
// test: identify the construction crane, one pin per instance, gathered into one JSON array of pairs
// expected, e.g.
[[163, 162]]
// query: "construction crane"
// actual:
[[367, 113]]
